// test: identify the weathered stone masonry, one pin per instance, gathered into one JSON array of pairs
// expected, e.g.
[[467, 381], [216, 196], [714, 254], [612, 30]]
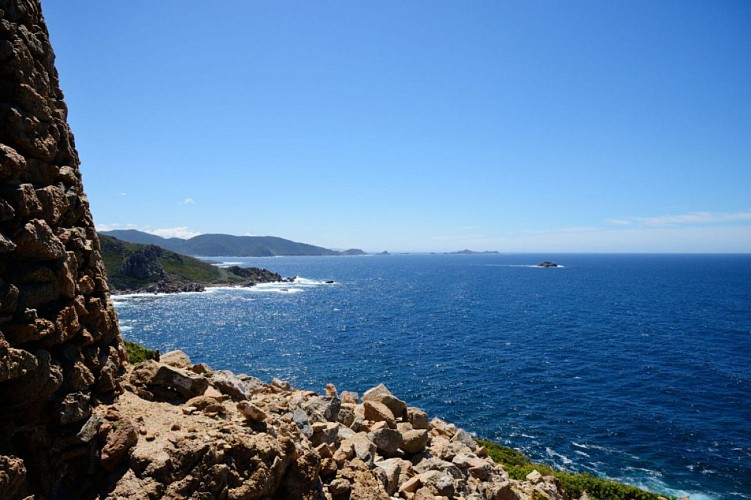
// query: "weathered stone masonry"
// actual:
[[60, 347]]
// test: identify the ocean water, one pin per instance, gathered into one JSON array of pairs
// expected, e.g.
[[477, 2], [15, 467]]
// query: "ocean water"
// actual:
[[633, 367]]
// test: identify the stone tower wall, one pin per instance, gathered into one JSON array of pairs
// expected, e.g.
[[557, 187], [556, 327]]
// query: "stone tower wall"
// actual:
[[60, 347]]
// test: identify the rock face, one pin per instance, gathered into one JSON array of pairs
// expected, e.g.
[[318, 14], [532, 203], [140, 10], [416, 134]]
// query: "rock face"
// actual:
[[60, 347]]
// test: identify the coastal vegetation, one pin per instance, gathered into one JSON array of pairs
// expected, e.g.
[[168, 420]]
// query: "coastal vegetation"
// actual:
[[519, 466], [137, 267], [138, 353]]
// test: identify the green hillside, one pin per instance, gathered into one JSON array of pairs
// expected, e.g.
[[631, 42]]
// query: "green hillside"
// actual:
[[133, 266], [228, 245]]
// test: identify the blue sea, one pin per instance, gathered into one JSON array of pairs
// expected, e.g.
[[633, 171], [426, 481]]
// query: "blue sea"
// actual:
[[633, 367]]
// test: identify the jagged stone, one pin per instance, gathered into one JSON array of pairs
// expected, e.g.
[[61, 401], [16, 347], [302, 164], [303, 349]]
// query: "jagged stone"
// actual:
[[417, 417], [15, 363], [386, 440], [325, 433], [349, 397], [176, 358], [152, 373], [377, 412], [37, 242], [363, 447], [12, 475], [346, 415], [439, 483], [414, 441], [465, 438], [534, 477], [11, 163], [371, 393], [251, 411], [73, 408], [231, 385], [323, 408], [396, 405], [300, 418], [118, 441]]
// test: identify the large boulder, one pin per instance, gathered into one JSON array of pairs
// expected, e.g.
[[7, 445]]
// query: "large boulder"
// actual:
[[235, 386], [155, 374], [386, 440]]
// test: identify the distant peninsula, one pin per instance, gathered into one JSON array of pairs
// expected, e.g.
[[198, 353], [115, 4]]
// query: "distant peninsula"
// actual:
[[137, 268], [472, 252], [227, 245]]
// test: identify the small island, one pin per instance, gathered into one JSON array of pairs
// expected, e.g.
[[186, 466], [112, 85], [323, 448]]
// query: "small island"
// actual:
[[547, 263], [472, 252]]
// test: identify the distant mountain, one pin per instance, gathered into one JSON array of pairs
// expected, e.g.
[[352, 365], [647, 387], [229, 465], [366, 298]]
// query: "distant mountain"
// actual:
[[227, 245]]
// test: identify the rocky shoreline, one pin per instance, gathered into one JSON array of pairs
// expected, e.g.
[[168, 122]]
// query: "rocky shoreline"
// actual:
[[182, 430], [255, 276]]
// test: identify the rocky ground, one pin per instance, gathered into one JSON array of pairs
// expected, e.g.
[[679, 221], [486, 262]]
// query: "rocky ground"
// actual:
[[184, 431]]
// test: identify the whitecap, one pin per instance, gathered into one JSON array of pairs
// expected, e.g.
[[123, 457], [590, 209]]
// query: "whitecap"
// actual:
[[554, 454]]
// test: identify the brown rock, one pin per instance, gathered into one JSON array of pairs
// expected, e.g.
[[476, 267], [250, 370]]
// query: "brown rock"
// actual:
[[371, 393], [251, 411], [376, 412], [386, 440], [15, 363], [37, 242], [396, 405], [12, 475], [340, 489], [465, 438], [118, 441], [417, 417], [439, 483], [349, 397], [414, 441], [185, 383], [11, 163], [53, 203], [176, 358], [411, 485]]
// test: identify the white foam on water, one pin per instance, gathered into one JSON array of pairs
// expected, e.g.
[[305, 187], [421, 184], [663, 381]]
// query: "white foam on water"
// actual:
[[533, 266], [554, 454]]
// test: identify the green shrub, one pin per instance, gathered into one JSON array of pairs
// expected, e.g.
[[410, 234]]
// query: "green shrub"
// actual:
[[519, 465], [138, 353]]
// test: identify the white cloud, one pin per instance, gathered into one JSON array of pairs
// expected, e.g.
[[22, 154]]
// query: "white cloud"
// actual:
[[187, 201], [122, 194], [559, 230], [683, 219], [174, 232], [116, 225]]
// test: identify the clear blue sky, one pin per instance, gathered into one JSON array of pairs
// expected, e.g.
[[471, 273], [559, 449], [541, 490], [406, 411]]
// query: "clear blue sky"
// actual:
[[418, 125]]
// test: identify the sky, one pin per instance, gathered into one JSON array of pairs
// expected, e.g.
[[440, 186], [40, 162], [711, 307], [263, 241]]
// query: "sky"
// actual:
[[541, 126]]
